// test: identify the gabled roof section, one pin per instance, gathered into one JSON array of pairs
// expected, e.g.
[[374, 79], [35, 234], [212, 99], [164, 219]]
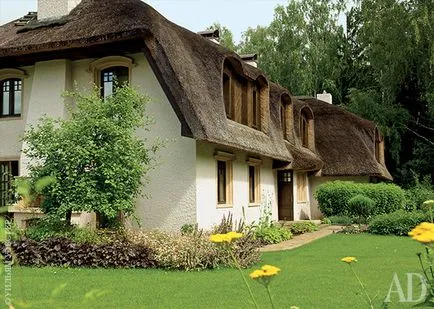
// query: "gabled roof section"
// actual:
[[345, 142], [188, 66]]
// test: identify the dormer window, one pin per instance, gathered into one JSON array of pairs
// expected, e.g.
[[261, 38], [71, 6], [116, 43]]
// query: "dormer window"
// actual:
[[244, 99], [11, 97], [379, 147], [286, 116], [306, 132]]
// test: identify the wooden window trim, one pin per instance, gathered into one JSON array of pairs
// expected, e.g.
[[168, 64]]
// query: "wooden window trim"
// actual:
[[302, 192], [256, 164], [227, 158]]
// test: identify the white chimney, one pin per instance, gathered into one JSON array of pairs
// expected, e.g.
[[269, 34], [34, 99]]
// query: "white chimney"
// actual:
[[326, 97], [51, 9]]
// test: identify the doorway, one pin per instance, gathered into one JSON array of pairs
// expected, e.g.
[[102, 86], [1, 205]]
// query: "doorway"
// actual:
[[285, 195]]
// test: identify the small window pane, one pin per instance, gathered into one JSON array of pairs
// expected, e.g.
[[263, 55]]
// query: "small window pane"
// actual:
[[6, 98], [111, 76], [227, 94], [221, 182], [17, 102], [252, 184]]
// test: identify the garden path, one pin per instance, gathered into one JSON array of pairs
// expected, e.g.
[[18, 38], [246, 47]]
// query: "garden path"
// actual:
[[303, 239]]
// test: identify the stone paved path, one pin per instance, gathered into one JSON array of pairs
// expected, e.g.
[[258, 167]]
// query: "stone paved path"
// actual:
[[303, 239]]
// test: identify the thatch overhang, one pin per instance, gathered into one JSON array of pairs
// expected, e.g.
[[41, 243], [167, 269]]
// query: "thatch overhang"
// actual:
[[345, 142], [188, 66]]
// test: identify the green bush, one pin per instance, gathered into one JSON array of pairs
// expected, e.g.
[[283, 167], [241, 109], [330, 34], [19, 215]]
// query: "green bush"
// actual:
[[361, 206], [298, 228], [333, 197], [418, 194], [340, 220], [396, 223], [272, 234]]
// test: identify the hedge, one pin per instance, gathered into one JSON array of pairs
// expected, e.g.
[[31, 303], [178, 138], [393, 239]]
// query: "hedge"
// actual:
[[396, 223], [333, 197]]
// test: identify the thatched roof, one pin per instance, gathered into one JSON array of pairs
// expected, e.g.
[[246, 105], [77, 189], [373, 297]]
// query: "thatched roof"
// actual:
[[345, 142], [189, 68], [188, 65]]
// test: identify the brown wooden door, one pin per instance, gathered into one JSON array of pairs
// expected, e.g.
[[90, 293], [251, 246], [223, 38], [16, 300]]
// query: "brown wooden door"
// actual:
[[285, 196]]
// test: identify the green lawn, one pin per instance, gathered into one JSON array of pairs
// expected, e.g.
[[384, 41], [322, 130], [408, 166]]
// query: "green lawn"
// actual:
[[312, 277]]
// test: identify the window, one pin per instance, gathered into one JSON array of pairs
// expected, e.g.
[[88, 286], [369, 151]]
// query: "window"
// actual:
[[304, 131], [112, 77], [283, 119], [255, 109], [227, 95], [379, 147], [8, 170], [224, 178], [302, 187], [254, 180], [10, 97], [111, 71]]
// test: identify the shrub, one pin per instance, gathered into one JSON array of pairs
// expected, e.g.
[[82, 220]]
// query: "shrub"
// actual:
[[397, 223], [340, 220], [188, 228], [333, 197], [298, 228], [361, 206], [271, 234], [95, 155], [418, 194], [64, 252]]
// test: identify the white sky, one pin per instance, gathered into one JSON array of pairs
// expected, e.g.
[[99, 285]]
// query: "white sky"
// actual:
[[195, 15]]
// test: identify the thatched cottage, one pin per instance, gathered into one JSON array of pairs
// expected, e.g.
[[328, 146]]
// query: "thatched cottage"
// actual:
[[238, 139]]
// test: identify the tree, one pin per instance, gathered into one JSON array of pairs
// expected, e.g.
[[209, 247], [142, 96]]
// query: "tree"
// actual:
[[226, 36], [302, 47], [96, 158]]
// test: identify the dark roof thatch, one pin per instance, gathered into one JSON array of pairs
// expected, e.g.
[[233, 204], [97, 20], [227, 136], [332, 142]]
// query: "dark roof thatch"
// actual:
[[345, 142]]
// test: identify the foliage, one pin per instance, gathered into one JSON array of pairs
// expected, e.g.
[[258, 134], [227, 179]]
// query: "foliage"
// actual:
[[419, 193], [333, 197], [361, 206], [397, 223], [64, 252], [227, 225], [340, 220], [30, 189], [298, 228], [95, 155], [226, 36], [272, 234], [188, 228]]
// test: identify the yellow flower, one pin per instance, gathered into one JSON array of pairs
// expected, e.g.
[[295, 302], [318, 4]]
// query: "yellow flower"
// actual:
[[423, 233], [234, 235], [217, 238], [228, 237], [256, 274], [349, 259], [270, 270]]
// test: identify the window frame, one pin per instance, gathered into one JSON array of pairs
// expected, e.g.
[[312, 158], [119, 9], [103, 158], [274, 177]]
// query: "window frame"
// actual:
[[96, 67], [226, 158], [302, 187], [6, 181], [13, 75], [255, 165]]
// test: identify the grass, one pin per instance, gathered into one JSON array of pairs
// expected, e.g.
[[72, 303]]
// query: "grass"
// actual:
[[312, 277]]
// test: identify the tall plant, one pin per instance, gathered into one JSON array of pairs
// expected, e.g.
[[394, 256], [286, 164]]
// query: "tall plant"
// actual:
[[96, 157]]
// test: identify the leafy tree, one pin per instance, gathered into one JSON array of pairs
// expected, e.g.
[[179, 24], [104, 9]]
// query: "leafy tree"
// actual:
[[95, 156], [226, 36]]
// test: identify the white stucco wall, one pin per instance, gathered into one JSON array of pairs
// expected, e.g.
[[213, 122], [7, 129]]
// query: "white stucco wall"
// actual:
[[50, 79], [315, 181], [208, 214], [172, 184], [12, 129]]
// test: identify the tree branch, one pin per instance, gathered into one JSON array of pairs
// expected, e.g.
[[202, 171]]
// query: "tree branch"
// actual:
[[420, 136]]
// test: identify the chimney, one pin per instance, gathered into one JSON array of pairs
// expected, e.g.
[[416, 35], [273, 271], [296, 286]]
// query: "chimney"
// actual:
[[250, 59], [52, 9], [326, 97], [212, 35]]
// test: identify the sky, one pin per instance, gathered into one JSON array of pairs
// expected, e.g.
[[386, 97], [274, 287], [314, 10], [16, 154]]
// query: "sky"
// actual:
[[195, 15]]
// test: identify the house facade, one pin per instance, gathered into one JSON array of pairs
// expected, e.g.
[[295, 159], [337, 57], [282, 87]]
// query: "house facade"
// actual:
[[237, 142]]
